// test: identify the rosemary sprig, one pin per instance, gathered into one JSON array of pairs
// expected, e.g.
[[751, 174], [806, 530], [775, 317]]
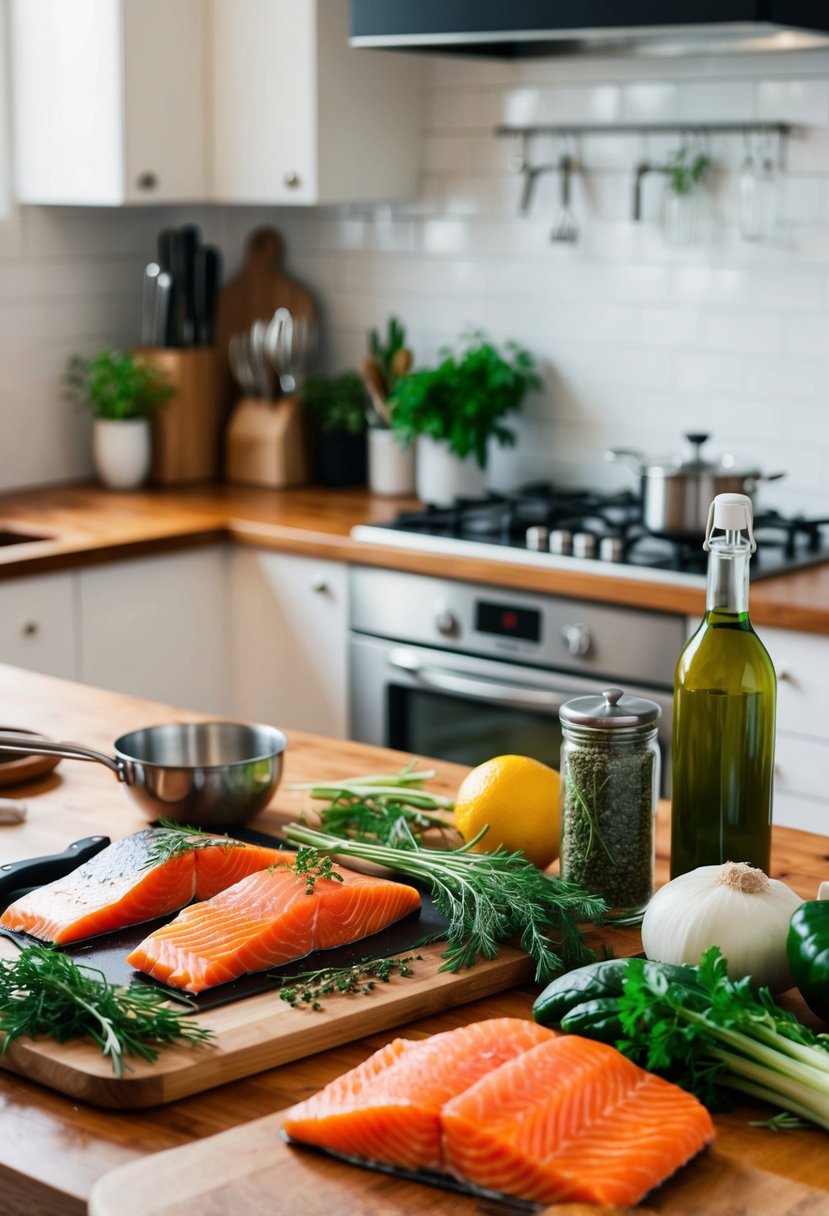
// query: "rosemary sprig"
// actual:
[[43, 992], [173, 840], [487, 898], [310, 987]]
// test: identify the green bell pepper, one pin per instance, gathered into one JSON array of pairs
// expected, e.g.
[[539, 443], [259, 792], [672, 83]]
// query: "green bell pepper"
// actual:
[[808, 950]]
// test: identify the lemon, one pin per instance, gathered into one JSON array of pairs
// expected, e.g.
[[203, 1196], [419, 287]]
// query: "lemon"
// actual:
[[517, 798]]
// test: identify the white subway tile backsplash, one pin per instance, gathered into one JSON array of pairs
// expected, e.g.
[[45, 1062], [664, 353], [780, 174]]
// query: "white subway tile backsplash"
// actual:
[[638, 340]]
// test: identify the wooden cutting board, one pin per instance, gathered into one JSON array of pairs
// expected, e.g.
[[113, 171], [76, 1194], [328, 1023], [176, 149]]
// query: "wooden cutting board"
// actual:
[[250, 1169], [258, 1033]]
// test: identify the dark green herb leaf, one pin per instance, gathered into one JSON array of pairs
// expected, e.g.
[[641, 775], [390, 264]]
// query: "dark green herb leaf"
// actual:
[[173, 840]]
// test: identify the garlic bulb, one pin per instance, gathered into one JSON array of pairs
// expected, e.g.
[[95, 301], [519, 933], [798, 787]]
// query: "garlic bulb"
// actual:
[[733, 906]]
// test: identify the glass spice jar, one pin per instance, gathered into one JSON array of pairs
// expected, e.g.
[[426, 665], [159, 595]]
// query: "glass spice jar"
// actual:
[[609, 790]]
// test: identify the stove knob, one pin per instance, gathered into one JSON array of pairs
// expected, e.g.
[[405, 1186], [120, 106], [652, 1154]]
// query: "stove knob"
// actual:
[[446, 622], [537, 538], [577, 640], [610, 549], [561, 541], [584, 544]]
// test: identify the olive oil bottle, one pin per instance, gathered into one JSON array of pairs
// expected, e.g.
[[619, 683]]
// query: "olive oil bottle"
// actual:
[[725, 693]]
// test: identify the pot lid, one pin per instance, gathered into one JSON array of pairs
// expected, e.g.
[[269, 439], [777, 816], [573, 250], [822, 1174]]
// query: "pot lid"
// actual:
[[610, 711], [695, 462]]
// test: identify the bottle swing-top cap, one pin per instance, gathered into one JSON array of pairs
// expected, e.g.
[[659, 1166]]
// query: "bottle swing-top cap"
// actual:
[[730, 513]]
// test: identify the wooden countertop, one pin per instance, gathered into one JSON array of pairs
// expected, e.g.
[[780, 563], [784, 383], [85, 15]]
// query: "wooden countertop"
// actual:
[[52, 1151], [88, 524]]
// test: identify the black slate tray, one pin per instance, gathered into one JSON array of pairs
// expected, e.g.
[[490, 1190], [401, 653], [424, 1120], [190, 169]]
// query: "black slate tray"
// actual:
[[109, 951]]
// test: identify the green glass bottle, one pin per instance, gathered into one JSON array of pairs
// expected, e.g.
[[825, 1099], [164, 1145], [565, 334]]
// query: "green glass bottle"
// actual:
[[725, 693]]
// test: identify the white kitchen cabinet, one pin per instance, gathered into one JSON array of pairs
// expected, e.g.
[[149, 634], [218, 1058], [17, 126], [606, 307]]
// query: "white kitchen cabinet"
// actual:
[[299, 116], [159, 627], [38, 624], [110, 100], [289, 641]]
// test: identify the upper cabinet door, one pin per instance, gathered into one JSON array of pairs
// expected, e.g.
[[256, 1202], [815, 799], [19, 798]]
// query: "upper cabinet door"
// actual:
[[110, 98], [301, 117], [264, 91]]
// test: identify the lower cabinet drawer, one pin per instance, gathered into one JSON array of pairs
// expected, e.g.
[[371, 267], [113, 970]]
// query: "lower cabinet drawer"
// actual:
[[806, 814], [801, 766], [801, 661]]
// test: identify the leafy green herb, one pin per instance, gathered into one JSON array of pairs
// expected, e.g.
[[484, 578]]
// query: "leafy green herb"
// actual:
[[311, 987], [311, 865], [385, 349], [171, 840], [781, 1122], [337, 403], [465, 398], [372, 807], [687, 169], [115, 385], [43, 992], [715, 1033], [487, 898]]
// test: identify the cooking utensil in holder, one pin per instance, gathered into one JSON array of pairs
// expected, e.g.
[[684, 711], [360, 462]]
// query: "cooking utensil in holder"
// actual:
[[187, 427]]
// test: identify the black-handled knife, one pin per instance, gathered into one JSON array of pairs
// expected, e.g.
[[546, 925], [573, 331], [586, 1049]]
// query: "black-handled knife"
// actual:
[[208, 272], [17, 877]]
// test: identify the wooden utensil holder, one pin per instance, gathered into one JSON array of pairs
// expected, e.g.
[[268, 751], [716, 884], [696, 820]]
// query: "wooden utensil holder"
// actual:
[[187, 426], [266, 443]]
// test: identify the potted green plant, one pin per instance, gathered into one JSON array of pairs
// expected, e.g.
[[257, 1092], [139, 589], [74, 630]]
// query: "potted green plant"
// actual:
[[456, 410], [122, 392], [337, 407]]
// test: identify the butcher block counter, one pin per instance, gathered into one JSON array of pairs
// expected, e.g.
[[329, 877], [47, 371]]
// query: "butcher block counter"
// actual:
[[54, 1149], [86, 524]]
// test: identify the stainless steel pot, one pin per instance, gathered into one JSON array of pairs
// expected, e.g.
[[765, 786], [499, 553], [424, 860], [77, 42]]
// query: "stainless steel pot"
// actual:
[[206, 774], [677, 493]]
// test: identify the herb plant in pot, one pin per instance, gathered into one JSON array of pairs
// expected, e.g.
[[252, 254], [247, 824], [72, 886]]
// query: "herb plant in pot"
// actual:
[[337, 407], [391, 462], [122, 392], [454, 412]]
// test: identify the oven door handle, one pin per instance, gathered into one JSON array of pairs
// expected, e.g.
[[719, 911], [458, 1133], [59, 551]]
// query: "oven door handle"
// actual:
[[493, 692]]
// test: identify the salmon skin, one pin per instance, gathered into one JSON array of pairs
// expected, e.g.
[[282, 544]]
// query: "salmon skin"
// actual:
[[122, 886], [388, 1108], [268, 919], [544, 1118]]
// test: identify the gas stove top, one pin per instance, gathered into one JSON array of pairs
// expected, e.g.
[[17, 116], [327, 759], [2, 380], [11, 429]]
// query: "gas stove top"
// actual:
[[569, 529]]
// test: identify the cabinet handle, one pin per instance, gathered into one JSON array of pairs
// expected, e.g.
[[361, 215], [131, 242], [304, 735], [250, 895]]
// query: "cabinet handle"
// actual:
[[785, 677], [320, 586], [147, 180], [30, 629], [291, 180]]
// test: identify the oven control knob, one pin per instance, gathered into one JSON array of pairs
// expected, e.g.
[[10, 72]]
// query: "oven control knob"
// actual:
[[446, 622], [577, 640]]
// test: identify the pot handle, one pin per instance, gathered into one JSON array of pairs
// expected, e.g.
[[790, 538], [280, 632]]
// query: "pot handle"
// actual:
[[626, 456], [30, 745]]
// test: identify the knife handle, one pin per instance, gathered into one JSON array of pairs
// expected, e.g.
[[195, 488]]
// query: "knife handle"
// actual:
[[208, 270], [36, 871]]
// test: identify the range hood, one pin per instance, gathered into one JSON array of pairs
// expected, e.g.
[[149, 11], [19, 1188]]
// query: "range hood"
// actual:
[[521, 28]]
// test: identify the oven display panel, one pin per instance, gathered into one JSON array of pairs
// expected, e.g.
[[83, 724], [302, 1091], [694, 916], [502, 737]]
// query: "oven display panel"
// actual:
[[507, 622]]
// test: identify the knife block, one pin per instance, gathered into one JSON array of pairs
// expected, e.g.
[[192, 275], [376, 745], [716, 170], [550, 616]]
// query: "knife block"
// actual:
[[266, 443], [186, 427]]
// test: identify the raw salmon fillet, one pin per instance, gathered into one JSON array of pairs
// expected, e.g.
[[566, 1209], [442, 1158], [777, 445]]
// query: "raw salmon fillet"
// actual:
[[572, 1120], [268, 919], [118, 887], [388, 1108]]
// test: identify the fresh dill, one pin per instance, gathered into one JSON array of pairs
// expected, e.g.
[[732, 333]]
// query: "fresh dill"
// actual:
[[488, 899], [171, 840], [309, 988], [43, 992]]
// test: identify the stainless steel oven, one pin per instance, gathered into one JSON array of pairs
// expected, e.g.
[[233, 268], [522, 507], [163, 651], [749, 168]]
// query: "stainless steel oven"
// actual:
[[464, 671]]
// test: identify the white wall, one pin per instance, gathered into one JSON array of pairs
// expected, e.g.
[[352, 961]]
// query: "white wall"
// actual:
[[639, 341]]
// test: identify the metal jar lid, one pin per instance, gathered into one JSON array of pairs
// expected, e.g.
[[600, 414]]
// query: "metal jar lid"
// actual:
[[610, 711]]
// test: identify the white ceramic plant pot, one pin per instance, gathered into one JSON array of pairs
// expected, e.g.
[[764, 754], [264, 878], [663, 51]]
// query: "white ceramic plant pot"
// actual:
[[121, 452], [391, 467], [442, 476]]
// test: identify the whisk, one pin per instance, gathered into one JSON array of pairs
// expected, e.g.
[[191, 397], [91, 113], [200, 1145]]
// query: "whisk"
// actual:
[[565, 230]]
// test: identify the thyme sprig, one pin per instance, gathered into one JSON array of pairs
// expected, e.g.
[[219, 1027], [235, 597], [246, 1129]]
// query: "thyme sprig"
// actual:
[[44, 992], [488, 899], [309, 988], [172, 840], [311, 865]]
